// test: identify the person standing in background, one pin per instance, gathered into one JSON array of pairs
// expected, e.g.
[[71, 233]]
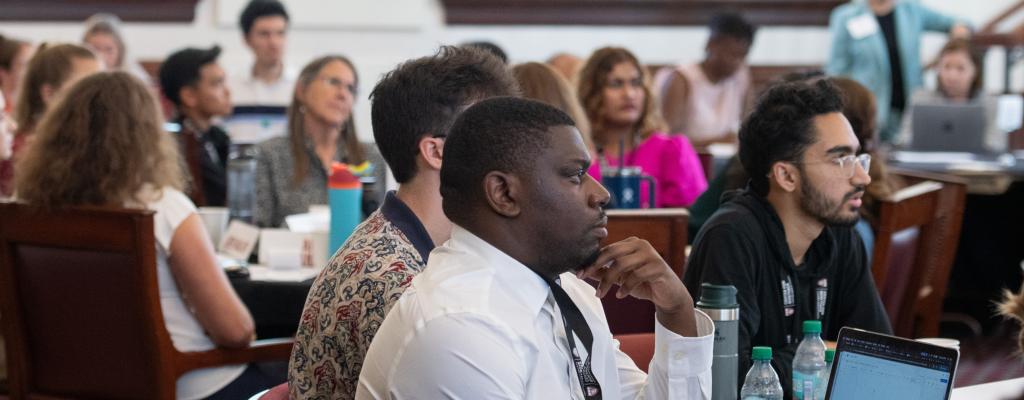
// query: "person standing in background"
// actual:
[[196, 84], [269, 82], [705, 100], [878, 44]]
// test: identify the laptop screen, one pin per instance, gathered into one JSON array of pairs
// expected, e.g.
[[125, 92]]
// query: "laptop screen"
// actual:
[[254, 124], [873, 366]]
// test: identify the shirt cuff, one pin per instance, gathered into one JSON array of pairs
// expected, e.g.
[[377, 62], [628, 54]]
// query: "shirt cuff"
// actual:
[[681, 356]]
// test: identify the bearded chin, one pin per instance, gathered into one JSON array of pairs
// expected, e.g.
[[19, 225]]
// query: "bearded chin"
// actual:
[[588, 260], [842, 222]]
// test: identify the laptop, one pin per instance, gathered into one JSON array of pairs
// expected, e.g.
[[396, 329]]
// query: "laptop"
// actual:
[[951, 128], [254, 124], [874, 366]]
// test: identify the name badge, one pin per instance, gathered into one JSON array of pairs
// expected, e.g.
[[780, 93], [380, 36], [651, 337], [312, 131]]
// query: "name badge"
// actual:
[[862, 26]]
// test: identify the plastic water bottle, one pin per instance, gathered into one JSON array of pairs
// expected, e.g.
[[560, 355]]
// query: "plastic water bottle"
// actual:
[[809, 363], [762, 383], [830, 354], [719, 303], [242, 184], [345, 198]]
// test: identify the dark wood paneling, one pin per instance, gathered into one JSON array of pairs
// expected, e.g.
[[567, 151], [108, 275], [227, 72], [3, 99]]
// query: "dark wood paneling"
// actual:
[[78, 10], [634, 12]]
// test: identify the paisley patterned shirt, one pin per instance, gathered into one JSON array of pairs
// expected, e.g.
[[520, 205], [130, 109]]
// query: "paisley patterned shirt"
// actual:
[[350, 298]]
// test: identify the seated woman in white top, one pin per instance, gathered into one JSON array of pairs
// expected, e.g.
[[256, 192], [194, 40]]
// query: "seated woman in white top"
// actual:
[[959, 81], [705, 100], [90, 151]]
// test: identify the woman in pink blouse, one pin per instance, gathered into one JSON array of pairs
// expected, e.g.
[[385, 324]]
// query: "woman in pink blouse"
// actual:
[[616, 94]]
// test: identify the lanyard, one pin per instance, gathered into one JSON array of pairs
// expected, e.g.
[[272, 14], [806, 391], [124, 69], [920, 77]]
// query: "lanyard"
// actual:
[[573, 321]]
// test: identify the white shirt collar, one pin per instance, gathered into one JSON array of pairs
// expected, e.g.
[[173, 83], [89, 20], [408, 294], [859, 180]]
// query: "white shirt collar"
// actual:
[[520, 282]]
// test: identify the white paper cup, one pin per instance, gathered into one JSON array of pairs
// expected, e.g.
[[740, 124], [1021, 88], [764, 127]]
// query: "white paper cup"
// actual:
[[215, 219], [944, 342]]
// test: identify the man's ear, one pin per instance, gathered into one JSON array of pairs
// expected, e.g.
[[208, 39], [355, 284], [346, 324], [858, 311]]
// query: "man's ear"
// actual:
[[501, 191], [785, 176], [432, 150], [189, 97]]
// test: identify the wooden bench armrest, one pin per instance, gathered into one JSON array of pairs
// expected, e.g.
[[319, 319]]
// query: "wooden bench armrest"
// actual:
[[259, 351]]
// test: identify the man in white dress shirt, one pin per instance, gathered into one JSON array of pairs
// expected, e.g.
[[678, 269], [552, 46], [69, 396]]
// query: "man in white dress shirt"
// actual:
[[268, 82], [500, 310]]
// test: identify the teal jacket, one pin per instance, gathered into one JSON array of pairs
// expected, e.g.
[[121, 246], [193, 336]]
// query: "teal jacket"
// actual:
[[866, 59]]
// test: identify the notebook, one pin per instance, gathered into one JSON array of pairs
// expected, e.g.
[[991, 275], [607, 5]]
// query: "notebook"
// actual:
[[874, 366], [946, 127]]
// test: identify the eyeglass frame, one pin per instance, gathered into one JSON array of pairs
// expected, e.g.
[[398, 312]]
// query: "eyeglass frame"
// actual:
[[338, 83], [863, 159]]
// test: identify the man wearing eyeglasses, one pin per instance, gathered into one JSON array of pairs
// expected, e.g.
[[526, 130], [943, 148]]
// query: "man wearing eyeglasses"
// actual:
[[786, 241]]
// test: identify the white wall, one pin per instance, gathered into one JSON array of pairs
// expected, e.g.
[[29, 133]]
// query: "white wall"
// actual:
[[377, 37]]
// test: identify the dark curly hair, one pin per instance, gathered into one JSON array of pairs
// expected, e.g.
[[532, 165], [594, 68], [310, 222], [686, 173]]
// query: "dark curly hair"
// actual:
[[781, 126]]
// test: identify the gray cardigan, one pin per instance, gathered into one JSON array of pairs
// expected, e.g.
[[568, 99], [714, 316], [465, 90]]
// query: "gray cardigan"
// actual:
[[277, 197]]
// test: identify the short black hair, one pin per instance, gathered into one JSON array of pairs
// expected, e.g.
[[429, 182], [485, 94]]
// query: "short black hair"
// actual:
[[423, 96], [182, 68], [257, 9], [781, 126], [490, 47], [499, 134], [732, 25]]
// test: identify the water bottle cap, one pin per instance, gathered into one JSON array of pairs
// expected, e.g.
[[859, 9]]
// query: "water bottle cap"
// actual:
[[830, 354], [812, 326], [763, 353], [717, 296], [342, 178]]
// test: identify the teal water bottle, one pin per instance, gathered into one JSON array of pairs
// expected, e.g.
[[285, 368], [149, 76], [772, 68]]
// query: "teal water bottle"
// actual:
[[345, 198]]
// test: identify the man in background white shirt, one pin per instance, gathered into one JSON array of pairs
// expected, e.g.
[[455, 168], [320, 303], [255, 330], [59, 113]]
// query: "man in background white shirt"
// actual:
[[269, 82], [499, 311]]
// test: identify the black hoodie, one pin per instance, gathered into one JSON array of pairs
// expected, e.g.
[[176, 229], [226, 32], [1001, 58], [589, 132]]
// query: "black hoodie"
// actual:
[[743, 244]]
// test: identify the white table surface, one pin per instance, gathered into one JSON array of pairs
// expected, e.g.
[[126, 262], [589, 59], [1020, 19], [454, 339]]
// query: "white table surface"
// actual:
[[1000, 390]]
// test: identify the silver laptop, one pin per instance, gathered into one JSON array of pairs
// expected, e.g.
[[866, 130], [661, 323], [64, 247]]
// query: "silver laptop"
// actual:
[[952, 128], [874, 366]]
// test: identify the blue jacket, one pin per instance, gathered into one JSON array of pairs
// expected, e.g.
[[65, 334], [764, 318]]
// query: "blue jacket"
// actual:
[[866, 59]]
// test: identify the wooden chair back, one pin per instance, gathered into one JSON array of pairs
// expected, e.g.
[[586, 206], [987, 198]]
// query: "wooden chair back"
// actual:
[[81, 308], [666, 230], [915, 244]]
